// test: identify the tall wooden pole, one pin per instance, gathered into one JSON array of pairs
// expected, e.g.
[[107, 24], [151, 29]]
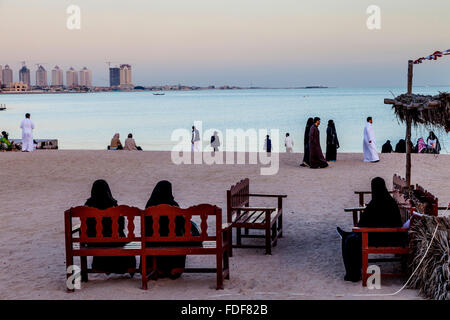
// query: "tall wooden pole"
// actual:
[[408, 126]]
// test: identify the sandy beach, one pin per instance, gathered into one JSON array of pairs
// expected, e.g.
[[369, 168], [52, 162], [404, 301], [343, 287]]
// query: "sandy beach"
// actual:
[[37, 187]]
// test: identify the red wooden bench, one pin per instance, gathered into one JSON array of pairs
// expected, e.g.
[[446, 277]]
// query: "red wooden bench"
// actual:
[[400, 187], [401, 249], [78, 244], [217, 244], [241, 215]]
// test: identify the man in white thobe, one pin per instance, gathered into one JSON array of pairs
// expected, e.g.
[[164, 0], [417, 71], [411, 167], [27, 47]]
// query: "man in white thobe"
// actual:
[[27, 127], [288, 143], [369, 143], [195, 140]]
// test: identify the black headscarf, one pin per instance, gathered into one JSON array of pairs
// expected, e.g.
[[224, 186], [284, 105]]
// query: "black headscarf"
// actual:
[[309, 123], [101, 197], [162, 194], [382, 211]]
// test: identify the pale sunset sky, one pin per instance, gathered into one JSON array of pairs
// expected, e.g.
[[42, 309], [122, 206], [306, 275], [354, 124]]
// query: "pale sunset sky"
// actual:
[[237, 42]]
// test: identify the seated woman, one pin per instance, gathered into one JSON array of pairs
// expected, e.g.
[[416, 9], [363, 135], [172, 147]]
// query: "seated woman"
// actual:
[[433, 145], [421, 146], [130, 144], [115, 143], [381, 212], [167, 266], [101, 198], [6, 144]]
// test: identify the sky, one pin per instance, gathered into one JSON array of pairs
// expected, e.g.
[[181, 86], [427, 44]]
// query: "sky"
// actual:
[[271, 43]]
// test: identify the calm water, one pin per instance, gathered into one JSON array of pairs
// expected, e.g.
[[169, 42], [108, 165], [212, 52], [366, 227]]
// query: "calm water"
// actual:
[[88, 121]]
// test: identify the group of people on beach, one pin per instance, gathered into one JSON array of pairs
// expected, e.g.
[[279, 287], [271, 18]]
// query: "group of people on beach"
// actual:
[[129, 145], [166, 266], [313, 156], [432, 145]]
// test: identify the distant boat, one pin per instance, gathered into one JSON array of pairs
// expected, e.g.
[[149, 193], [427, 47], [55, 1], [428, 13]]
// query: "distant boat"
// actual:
[[2, 107], [158, 93]]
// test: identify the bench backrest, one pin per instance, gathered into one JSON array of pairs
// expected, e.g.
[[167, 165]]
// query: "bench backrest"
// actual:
[[112, 217], [238, 196], [400, 184], [429, 198], [163, 210]]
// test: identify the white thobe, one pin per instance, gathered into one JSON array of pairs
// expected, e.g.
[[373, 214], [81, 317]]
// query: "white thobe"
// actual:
[[27, 127], [289, 143], [195, 141], [369, 148]]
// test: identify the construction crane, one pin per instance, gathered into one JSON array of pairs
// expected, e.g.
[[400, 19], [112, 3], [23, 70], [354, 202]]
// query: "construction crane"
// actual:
[[109, 63]]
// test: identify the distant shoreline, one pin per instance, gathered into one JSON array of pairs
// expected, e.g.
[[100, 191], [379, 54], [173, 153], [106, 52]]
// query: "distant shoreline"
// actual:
[[160, 89]]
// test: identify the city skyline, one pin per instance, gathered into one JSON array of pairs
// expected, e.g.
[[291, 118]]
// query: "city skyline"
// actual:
[[261, 43]]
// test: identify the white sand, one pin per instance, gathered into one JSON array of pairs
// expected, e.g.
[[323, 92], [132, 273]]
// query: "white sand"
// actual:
[[36, 188]]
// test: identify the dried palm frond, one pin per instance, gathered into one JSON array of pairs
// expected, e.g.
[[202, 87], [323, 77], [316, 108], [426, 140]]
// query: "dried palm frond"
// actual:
[[432, 277]]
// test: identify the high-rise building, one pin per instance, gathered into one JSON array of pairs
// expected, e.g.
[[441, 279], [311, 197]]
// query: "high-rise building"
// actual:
[[24, 75], [71, 78], [41, 77], [86, 77], [114, 77], [57, 77], [7, 76], [125, 77]]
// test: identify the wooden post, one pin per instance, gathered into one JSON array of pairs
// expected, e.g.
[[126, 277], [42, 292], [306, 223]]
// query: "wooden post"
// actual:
[[408, 126]]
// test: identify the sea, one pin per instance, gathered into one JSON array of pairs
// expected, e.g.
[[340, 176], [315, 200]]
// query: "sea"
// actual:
[[163, 122]]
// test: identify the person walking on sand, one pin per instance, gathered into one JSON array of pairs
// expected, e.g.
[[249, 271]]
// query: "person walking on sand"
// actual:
[[195, 140], [305, 162], [369, 143], [316, 158], [332, 142], [288, 143], [215, 142], [27, 127], [268, 144]]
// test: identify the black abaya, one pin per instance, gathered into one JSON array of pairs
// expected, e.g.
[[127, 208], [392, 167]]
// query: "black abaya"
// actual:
[[101, 198], [171, 266], [381, 212]]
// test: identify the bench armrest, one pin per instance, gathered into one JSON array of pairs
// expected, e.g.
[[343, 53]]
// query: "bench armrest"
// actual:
[[382, 230], [266, 195], [253, 209]]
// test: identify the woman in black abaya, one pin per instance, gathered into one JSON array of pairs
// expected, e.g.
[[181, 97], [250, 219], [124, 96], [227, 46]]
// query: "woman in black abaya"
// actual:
[[381, 212], [306, 161], [167, 266], [101, 198]]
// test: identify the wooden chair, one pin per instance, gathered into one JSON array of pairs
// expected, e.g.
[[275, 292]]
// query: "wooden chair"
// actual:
[[84, 246], [205, 244], [241, 215]]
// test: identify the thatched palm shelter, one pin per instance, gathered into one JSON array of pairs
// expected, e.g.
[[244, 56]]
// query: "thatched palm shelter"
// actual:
[[418, 109]]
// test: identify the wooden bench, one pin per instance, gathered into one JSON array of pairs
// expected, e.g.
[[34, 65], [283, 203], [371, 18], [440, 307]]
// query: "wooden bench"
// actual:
[[400, 188], [241, 215], [205, 244], [83, 246], [78, 244]]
